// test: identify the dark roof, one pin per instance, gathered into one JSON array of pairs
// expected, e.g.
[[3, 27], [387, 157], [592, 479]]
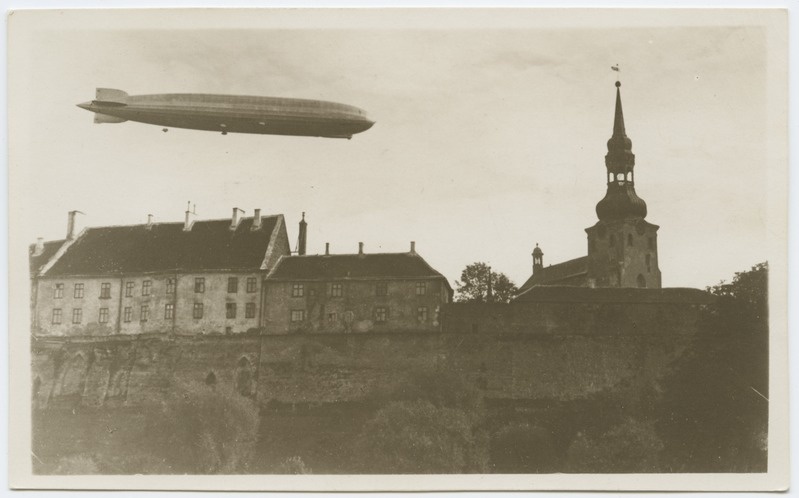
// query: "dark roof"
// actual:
[[37, 261], [209, 245], [553, 274], [386, 265], [565, 294]]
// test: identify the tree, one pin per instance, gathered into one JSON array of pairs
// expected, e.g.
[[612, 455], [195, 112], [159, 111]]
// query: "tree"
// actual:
[[473, 285]]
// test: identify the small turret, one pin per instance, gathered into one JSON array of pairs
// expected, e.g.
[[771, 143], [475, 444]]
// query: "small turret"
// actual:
[[538, 259]]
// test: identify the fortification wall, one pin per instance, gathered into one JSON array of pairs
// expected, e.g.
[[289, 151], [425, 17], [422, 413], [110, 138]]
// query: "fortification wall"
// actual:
[[534, 350]]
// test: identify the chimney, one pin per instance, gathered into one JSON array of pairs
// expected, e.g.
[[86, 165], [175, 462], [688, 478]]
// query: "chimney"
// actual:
[[327, 248], [39, 249], [149, 221], [189, 218], [413, 247], [71, 225], [360, 248], [235, 219], [256, 220], [302, 239]]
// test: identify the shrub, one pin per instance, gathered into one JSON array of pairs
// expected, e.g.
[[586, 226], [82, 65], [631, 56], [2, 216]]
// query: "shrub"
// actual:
[[293, 465], [630, 447], [416, 437], [76, 465], [204, 430]]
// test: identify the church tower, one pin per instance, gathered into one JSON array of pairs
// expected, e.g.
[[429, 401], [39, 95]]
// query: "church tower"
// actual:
[[622, 246]]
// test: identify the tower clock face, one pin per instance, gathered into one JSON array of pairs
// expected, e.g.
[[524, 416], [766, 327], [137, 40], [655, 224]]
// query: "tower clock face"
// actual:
[[640, 227]]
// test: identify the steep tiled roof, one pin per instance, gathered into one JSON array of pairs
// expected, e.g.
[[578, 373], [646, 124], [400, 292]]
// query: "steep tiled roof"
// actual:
[[209, 245], [564, 294], [390, 265], [37, 261], [555, 274]]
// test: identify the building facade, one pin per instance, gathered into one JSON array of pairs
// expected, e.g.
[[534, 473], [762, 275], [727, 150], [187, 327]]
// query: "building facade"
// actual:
[[179, 278], [622, 245], [389, 292]]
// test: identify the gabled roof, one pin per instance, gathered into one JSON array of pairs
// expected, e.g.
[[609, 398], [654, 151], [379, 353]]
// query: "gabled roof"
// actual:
[[555, 274], [36, 261], [162, 247], [339, 266]]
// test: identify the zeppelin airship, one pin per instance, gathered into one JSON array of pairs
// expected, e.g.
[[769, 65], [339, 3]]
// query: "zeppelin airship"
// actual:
[[230, 113]]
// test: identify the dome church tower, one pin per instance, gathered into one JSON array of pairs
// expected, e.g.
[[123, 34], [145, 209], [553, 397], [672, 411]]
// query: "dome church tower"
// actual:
[[622, 246]]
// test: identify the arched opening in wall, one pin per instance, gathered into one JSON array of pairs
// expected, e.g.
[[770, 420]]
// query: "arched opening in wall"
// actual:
[[37, 386], [641, 281], [244, 377], [118, 385], [648, 263], [210, 379], [74, 379]]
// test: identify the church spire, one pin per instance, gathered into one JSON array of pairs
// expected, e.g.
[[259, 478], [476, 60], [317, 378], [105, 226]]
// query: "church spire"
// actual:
[[620, 200]]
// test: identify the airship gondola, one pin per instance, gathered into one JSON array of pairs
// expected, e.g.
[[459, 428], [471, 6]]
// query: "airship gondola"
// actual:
[[230, 113]]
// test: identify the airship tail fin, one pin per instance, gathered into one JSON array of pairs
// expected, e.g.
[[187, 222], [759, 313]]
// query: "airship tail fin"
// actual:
[[111, 95], [105, 118]]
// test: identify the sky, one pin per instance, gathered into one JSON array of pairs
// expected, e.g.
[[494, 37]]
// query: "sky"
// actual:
[[489, 138]]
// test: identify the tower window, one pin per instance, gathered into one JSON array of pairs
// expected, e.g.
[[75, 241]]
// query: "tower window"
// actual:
[[612, 240], [641, 281], [620, 177], [610, 177], [648, 263], [629, 240], [652, 243]]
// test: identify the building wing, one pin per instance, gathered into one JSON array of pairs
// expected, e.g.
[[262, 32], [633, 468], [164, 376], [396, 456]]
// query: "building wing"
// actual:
[[572, 272], [338, 266]]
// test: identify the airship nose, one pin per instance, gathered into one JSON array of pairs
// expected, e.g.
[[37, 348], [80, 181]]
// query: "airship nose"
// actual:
[[85, 105]]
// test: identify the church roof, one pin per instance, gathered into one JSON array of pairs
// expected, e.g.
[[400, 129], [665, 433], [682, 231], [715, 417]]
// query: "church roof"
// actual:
[[163, 247], [341, 266], [556, 274]]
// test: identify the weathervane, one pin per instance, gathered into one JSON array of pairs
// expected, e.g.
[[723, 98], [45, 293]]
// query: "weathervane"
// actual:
[[615, 68]]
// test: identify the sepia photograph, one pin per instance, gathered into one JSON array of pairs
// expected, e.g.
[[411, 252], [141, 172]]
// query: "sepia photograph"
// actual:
[[398, 250]]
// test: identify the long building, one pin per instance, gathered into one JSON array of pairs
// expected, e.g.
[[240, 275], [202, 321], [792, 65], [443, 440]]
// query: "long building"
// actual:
[[181, 278]]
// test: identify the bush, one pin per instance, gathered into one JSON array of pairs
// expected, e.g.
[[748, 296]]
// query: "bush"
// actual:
[[631, 447], [523, 448], [205, 430], [416, 437], [293, 465], [76, 465]]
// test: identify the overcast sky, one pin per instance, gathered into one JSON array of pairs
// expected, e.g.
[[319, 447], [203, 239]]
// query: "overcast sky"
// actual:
[[488, 139]]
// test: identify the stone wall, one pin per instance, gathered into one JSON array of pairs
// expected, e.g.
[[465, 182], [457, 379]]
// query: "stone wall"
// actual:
[[523, 351]]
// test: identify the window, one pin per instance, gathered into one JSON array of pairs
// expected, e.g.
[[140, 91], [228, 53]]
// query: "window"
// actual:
[[336, 290], [612, 240], [381, 314], [252, 284], [297, 290], [421, 314], [146, 287], [297, 315], [230, 310], [421, 288], [197, 312], [641, 281], [128, 316], [233, 285], [170, 285], [145, 313], [249, 310], [77, 315], [648, 263], [199, 284], [629, 240], [169, 311], [651, 242], [78, 294], [332, 317], [381, 289], [59, 291], [105, 290], [57, 316], [103, 315], [129, 286]]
